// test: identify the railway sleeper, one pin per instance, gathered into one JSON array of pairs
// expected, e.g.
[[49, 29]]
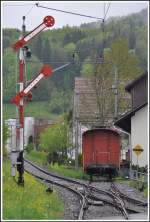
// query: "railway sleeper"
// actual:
[[96, 203], [130, 210]]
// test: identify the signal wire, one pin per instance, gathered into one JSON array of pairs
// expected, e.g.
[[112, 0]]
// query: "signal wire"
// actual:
[[19, 5], [30, 10]]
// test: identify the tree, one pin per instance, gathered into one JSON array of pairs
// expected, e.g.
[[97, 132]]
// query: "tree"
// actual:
[[127, 67], [141, 46], [87, 69], [54, 139], [46, 52], [69, 49], [60, 101], [36, 46], [127, 63], [9, 74]]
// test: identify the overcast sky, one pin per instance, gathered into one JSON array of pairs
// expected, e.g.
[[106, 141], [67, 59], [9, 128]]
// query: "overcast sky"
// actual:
[[12, 12]]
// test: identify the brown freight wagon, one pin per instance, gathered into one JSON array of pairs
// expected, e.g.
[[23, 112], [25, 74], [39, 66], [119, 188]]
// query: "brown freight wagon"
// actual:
[[101, 152]]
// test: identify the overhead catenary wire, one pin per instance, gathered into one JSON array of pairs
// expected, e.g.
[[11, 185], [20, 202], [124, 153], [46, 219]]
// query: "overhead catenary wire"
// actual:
[[69, 12], [106, 10]]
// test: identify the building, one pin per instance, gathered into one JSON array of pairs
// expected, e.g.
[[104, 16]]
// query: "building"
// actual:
[[39, 126], [32, 129], [135, 121], [93, 107], [11, 141], [28, 132]]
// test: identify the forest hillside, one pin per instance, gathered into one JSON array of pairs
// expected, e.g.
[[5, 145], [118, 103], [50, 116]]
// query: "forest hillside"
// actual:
[[83, 44]]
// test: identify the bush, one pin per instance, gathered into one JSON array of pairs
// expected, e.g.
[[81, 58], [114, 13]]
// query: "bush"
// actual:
[[5, 153], [80, 159], [29, 147]]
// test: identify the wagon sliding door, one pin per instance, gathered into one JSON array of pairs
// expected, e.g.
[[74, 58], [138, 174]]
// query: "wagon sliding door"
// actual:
[[101, 147], [106, 147]]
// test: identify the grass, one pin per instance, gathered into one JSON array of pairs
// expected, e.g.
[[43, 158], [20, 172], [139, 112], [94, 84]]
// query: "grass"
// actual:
[[39, 157], [68, 172], [145, 192], [30, 202], [35, 109], [134, 184]]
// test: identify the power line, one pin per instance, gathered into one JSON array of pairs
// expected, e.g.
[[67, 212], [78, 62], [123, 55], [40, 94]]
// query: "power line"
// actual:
[[68, 12], [107, 10]]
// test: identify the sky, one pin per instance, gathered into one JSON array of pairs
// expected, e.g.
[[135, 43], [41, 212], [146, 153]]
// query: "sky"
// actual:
[[12, 12]]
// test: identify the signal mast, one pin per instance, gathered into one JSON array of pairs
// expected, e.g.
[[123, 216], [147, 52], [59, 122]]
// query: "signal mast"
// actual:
[[17, 154]]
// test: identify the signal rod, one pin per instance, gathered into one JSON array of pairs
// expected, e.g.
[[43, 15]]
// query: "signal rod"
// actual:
[[20, 129], [17, 152]]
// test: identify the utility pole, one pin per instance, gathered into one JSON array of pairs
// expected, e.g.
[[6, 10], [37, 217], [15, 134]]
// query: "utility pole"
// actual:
[[76, 131], [116, 92], [76, 144]]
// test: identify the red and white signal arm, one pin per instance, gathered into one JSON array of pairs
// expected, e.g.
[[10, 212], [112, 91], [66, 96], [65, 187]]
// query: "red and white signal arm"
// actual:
[[48, 21], [45, 71]]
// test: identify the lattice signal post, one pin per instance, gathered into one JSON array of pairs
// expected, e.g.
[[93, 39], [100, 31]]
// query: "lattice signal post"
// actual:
[[17, 152]]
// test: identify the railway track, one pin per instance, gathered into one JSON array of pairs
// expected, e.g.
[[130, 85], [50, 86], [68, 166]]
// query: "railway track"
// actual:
[[50, 178], [86, 194]]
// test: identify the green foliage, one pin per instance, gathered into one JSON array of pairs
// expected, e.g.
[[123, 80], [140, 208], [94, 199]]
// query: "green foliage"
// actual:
[[30, 202], [68, 172], [10, 36], [38, 157], [60, 101], [54, 138], [37, 109], [70, 48], [126, 62], [141, 48], [87, 69], [120, 60], [29, 147], [5, 133], [9, 74], [32, 68], [57, 46], [5, 137], [145, 192]]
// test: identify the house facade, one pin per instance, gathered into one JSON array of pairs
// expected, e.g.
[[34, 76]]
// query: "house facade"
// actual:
[[135, 121], [28, 132]]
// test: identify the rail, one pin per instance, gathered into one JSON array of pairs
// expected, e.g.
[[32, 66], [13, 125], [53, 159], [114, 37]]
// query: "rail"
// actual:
[[82, 197], [115, 196]]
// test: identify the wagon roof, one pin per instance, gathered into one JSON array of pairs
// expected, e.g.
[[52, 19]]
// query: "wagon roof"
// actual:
[[102, 129]]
